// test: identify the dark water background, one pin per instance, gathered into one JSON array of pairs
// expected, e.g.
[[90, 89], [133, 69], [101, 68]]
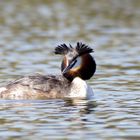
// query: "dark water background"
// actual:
[[29, 31]]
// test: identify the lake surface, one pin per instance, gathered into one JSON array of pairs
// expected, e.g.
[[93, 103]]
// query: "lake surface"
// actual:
[[29, 32]]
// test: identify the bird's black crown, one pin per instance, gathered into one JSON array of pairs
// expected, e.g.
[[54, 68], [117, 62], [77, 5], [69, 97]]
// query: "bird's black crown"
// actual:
[[80, 48]]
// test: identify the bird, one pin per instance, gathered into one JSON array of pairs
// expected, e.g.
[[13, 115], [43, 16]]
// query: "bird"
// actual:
[[77, 66]]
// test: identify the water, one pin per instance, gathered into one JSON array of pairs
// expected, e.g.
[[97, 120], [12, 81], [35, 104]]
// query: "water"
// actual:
[[29, 32]]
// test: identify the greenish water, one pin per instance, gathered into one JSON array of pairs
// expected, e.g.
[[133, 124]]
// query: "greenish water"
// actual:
[[29, 32]]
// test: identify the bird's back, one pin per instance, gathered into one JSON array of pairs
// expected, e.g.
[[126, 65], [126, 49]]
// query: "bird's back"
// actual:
[[36, 86]]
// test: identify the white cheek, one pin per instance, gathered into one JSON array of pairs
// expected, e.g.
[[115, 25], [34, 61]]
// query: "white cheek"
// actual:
[[67, 63], [78, 63]]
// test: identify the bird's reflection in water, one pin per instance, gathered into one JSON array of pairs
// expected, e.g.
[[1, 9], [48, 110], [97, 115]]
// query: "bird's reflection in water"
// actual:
[[85, 106]]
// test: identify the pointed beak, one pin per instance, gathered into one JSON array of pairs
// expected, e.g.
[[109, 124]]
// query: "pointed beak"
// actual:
[[71, 64]]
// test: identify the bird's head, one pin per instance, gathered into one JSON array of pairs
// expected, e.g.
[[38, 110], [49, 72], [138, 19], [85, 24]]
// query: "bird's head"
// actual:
[[77, 61]]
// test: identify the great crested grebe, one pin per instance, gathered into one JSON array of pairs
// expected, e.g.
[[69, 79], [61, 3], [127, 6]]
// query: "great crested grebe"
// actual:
[[77, 65]]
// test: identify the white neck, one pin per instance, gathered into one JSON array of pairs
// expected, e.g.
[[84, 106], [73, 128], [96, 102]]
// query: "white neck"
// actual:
[[80, 89]]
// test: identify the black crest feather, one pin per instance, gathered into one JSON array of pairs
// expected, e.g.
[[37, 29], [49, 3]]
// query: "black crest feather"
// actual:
[[80, 48], [62, 49], [83, 48]]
